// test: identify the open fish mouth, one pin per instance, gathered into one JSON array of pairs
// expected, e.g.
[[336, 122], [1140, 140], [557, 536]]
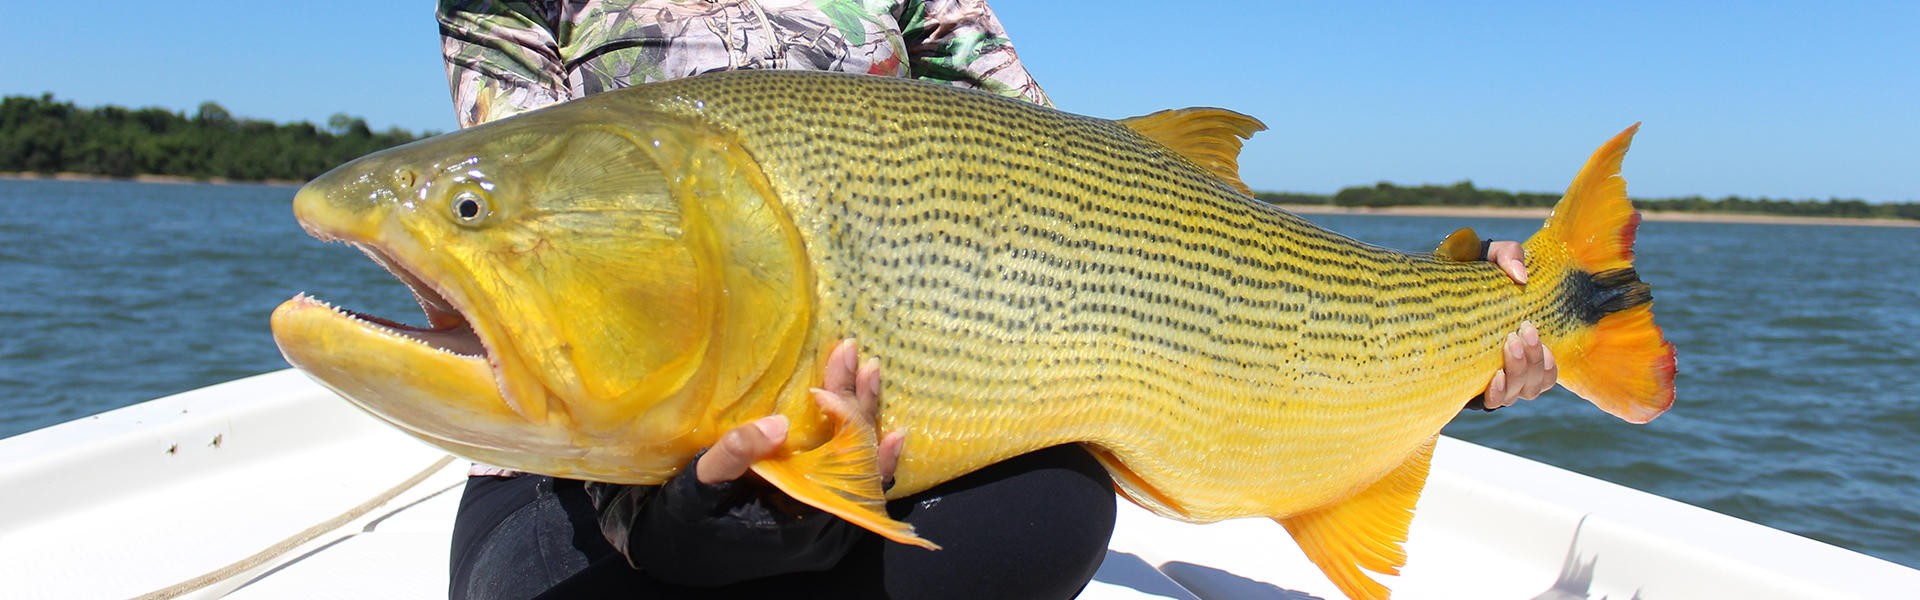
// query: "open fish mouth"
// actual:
[[448, 329]]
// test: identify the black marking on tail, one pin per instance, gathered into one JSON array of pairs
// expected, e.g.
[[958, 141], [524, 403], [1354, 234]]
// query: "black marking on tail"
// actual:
[[1596, 295]]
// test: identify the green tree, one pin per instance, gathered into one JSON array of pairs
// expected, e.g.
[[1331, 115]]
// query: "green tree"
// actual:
[[46, 135]]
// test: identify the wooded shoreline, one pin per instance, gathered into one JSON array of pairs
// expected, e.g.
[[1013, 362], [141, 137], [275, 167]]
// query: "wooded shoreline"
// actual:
[[45, 138]]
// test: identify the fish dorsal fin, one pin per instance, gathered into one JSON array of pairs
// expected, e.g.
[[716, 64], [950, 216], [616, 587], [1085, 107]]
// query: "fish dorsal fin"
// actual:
[[1365, 531], [1210, 137], [1463, 245]]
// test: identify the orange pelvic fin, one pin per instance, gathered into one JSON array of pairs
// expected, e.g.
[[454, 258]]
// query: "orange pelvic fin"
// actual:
[[1366, 531], [1135, 488], [1622, 363], [841, 477]]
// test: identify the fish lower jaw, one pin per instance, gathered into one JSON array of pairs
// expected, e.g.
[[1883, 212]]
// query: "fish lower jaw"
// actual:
[[454, 337]]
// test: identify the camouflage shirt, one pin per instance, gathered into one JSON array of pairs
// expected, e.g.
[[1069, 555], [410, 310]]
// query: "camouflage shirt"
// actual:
[[507, 57]]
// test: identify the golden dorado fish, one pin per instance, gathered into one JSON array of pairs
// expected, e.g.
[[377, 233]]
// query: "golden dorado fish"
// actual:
[[612, 283]]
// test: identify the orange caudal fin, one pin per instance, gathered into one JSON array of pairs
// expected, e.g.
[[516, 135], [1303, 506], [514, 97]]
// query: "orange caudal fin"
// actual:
[[1616, 357], [841, 477]]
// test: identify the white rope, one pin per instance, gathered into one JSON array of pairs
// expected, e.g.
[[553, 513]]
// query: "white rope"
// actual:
[[294, 541]]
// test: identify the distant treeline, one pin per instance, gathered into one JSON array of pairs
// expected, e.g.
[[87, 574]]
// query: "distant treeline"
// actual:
[[1464, 194], [49, 136]]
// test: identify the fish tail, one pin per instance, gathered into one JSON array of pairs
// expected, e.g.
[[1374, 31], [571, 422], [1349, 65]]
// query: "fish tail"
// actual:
[[1613, 355]]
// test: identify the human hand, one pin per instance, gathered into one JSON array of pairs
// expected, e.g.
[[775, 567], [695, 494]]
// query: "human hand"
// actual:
[[850, 390], [1510, 257], [1529, 369]]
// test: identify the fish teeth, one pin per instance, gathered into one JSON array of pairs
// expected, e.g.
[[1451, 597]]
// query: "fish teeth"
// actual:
[[391, 330]]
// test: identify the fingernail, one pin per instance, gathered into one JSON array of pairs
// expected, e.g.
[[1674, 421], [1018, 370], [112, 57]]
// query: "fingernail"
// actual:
[[1546, 356], [848, 354], [1513, 346], [774, 427], [1529, 332]]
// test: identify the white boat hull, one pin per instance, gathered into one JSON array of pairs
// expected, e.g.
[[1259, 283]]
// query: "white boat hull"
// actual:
[[139, 499]]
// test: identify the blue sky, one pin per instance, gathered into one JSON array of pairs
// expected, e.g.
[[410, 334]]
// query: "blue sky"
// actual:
[[1785, 100]]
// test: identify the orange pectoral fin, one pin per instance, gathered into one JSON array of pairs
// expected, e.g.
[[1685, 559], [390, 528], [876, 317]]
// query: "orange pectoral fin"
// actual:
[[1365, 531], [841, 477]]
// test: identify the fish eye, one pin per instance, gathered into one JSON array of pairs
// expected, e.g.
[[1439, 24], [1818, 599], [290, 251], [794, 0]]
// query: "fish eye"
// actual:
[[470, 208]]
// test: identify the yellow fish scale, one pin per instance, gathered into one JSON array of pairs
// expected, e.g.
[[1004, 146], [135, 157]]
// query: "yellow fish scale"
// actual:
[[1097, 287]]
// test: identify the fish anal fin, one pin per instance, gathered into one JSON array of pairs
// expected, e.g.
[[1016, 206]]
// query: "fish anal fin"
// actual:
[[1210, 137], [1366, 531], [841, 477], [1463, 245]]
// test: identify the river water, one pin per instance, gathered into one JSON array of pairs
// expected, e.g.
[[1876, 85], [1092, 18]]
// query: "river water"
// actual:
[[1799, 380]]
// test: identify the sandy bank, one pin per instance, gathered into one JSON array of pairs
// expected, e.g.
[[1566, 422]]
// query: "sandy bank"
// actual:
[[1541, 213]]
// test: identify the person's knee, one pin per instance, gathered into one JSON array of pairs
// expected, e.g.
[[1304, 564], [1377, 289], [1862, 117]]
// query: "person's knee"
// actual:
[[1035, 526]]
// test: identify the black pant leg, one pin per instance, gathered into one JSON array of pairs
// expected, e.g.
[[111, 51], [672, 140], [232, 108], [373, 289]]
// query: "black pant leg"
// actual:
[[1035, 526]]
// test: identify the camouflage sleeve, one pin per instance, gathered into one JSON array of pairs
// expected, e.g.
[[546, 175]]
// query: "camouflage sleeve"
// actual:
[[961, 42], [505, 57], [501, 58]]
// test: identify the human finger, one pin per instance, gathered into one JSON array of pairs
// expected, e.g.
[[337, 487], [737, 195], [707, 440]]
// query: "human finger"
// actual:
[[739, 448], [838, 406], [1549, 372], [1510, 256], [866, 389], [1496, 395], [1513, 371], [840, 367], [1533, 378], [890, 447]]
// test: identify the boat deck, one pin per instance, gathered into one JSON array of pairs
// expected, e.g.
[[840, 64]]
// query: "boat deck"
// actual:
[[139, 499]]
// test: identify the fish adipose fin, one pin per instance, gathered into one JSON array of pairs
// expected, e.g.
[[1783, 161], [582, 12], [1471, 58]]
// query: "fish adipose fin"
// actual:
[[841, 477], [1620, 362], [1366, 531], [1463, 245], [1210, 137]]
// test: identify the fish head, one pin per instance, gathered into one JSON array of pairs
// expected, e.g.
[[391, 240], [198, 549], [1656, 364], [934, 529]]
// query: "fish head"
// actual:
[[602, 298]]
